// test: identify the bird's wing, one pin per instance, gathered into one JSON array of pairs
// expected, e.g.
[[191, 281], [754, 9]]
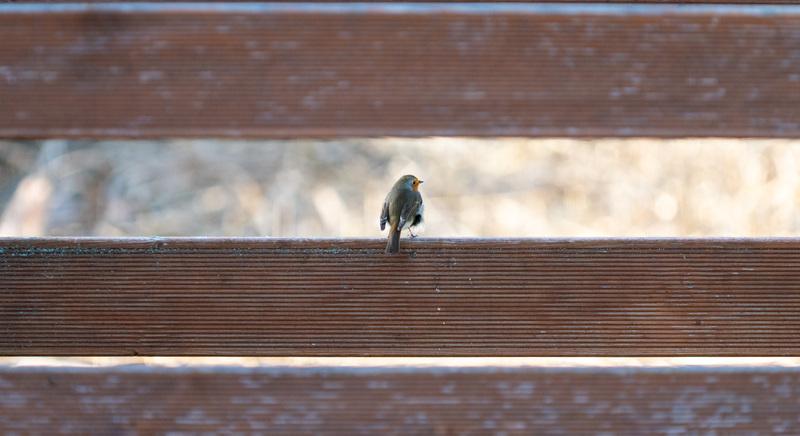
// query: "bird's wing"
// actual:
[[384, 214], [411, 206]]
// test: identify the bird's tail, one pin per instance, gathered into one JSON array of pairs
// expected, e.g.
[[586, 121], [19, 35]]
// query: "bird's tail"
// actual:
[[393, 245]]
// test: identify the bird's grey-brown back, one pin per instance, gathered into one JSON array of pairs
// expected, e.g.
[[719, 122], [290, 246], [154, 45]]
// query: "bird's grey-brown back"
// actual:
[[402, 209]]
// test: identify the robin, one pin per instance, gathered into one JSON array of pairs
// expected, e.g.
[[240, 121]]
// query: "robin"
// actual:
[[402, 209]]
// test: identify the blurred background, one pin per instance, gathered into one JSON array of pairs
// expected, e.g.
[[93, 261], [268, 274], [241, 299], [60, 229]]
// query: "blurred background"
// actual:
[[473, 187]]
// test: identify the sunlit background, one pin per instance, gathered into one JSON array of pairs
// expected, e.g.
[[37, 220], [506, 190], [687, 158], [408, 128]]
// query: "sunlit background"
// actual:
[[473, 187]]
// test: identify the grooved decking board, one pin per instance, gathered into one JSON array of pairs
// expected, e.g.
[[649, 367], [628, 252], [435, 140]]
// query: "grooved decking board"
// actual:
[[327, 70], [678, 2], [275, 297], [430, 402]]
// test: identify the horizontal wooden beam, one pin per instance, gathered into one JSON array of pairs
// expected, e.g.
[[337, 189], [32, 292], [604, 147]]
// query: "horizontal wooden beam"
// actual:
[[677, 2], [272, 297], [434, 402], [327, 70]]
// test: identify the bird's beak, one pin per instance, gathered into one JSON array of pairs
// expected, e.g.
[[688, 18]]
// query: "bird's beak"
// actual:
[[421, 182]]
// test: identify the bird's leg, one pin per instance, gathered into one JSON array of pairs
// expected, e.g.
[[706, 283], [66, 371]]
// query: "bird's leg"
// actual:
[[410, 233]]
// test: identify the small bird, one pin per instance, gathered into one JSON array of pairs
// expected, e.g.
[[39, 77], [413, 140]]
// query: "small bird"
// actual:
[[402, 209]]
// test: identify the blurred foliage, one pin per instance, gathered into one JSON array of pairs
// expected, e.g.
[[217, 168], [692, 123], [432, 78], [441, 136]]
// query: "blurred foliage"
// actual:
[[473, 187], [16, 159]]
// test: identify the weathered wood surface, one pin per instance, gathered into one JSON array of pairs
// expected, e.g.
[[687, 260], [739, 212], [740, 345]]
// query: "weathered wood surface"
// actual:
[[288, 70], [430, 402], [271, 297], [677, 2]]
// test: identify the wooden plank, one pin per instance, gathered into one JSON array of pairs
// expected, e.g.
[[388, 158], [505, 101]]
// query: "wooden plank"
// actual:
[[327, 70], [678, 2], [272, 297], [432, 402]]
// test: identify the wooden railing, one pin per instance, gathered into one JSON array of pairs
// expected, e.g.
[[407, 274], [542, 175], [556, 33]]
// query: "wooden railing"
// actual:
[[155, 70], [267, 297], [300, 70], [400, 401]]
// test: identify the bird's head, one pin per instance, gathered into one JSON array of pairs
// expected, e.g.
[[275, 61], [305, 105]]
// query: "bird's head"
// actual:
[[410, 182]]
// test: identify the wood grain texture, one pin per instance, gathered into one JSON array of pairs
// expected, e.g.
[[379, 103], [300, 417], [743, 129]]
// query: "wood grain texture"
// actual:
[[283, 70], [485, 401], [733, 2], [270, 297]]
